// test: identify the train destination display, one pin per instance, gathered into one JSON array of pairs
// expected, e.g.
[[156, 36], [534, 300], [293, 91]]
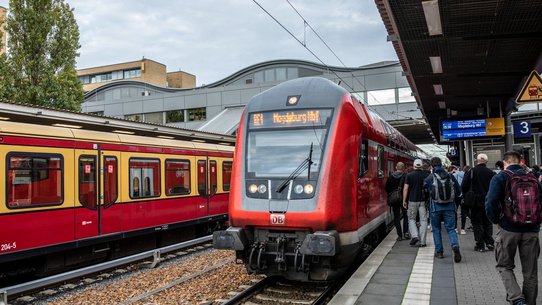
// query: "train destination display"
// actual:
[[292, 118], [451, 130]]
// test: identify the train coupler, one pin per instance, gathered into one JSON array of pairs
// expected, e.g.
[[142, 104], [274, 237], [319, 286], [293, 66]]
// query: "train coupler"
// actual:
[[279, 259]]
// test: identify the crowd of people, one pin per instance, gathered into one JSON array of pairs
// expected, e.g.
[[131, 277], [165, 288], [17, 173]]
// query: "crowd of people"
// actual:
[[508, 196]]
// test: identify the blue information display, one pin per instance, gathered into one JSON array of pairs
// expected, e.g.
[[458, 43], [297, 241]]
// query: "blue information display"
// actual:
[[451, 130]]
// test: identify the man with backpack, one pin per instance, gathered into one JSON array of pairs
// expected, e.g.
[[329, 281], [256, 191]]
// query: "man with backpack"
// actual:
[[394, 188], [514, 204], [476, 182], [443, 188]]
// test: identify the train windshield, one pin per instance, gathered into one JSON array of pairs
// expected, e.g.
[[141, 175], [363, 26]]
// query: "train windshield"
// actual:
[[277, 153]]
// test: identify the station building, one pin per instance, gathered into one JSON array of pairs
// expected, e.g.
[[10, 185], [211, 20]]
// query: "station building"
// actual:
[[217, 107], [145, 70]]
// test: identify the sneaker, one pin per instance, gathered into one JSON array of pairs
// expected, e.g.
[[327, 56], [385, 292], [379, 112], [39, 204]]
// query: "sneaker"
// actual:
[[429, 227], [422, 245], [469, 228], [490, 247], [407, 235], [414, 241], [463, 232], [399, 238], [457, 254], [519, 302], [439, 255], [479, 249], [456, 231]]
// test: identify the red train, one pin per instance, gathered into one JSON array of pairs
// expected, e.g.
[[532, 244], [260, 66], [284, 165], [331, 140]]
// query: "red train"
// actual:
[[308, 180], [75, 196]]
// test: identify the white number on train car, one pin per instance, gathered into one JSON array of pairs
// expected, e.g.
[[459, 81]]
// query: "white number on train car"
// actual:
[[8, 246], [278, 219]]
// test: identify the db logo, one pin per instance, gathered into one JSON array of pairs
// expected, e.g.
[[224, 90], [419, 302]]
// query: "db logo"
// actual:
[[278, 219]]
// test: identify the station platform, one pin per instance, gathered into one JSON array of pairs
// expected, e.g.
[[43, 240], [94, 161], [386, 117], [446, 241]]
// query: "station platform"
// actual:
[[396, 273]]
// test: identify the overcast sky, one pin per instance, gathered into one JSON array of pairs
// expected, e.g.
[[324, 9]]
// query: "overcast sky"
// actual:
[[215, 38]]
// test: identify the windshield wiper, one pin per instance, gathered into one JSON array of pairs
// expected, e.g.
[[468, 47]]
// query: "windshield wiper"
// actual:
[[306, 163]]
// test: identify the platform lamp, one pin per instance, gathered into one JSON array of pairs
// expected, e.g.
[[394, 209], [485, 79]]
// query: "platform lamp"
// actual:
[[480, 110]]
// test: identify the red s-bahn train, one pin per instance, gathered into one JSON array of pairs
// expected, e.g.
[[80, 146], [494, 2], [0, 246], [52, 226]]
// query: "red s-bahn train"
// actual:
[[308, 180], [74, 196]]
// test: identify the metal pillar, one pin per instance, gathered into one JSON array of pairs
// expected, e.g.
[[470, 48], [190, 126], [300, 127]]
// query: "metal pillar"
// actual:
[[469, 153], [537, 157], [509, 136], [461, 154]]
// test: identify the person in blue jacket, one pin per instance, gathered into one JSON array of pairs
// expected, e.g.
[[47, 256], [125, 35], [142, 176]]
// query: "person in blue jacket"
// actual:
[[511, 237], [443, 212]]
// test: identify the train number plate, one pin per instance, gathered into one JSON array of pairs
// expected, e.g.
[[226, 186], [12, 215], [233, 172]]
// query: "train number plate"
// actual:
[[278, 219]]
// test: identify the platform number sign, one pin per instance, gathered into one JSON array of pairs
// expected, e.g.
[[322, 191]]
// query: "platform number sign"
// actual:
[[522, 129]]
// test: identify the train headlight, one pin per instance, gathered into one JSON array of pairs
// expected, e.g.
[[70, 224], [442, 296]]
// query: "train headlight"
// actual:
[[262, 188], [309, 189], [298, 189], [253, 188]]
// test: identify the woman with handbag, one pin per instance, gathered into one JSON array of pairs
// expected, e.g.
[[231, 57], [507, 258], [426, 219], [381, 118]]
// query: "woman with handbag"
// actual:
[[394, 188]]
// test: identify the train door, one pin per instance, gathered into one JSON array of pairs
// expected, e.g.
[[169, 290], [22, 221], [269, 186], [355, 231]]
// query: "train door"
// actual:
[[87, 217], [207, 184], [110, 211]]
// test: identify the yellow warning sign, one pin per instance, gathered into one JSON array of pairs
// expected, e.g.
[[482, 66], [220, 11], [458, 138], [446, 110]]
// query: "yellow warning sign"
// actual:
[[532, 90]]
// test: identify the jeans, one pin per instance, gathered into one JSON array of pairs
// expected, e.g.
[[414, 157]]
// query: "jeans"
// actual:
[[482, 227], [397, 220], [528, 244], [413, 209], [449, 225]]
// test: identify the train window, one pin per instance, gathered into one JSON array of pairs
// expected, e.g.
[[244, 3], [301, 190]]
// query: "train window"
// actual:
[[213, 177], [145, 178], [87, 181], [34, 180], [363, 158], [391, 167], [202, 177], [226, 175], [111, 192], [177, 177], [380, 161]]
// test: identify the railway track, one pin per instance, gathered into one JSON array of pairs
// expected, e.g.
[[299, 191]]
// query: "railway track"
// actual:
[[274, 290], [33, 291]]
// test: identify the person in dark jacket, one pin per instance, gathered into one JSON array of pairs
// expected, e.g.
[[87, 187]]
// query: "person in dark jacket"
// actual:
[[510, 238], [395, 181], [483, 229]]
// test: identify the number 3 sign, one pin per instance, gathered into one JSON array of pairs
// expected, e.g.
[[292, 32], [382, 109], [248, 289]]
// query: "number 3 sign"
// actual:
[[522, 129]]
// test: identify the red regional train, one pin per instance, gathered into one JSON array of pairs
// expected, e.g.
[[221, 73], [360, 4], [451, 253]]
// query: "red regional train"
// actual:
[[74, 196], [308, 180]]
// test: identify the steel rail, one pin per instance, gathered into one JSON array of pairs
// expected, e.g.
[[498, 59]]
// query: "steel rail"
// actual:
[[6, 291]]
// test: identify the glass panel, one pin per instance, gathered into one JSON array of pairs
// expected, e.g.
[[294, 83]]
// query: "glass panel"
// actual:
[[281, 73], [87, 181], [270, 75], [226, 175], [278, 153], [202, 177], [110, 181], [34, 180], [154, 117], [177, 177], [213, 177], [381, 97], [292, 73], [144, 178], [174, 116], [258, 77], [405, 95], [134, 117], [197, 114]]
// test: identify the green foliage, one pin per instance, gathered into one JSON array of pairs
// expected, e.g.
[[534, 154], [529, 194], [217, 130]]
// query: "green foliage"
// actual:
[[43, 39]]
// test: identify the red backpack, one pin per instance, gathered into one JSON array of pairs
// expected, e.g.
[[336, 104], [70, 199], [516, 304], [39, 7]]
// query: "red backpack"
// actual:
[[522, 204]]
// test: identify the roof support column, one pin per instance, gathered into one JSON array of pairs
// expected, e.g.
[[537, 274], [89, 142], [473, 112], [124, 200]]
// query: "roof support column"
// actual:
[[509, 136], [536, 138], [469, 153], [461, 155]]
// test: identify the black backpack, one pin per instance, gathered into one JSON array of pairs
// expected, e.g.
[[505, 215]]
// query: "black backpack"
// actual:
[[442, 189], [395, 197]]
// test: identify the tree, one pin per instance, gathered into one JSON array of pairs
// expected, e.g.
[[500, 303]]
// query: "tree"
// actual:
[[43, 39]]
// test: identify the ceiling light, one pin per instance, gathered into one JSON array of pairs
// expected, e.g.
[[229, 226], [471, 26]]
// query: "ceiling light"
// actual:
[[438, 89], [442, 105], [224, 143], [3, 118], [123, 131], [432, 17], [67, 125], [436, 64], [166, 137], [198, 140]]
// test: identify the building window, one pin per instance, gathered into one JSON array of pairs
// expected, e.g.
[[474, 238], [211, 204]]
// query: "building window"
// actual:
[[292, 73], [281, 74], [145, 177], [34, 180], [197, 114], [134, 117], [405, 95], [248, 81], [174, 116], [132, 73], [177, 177], [258, 77], [270, 75], [381, 97], [100, 113], [154, 117]]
